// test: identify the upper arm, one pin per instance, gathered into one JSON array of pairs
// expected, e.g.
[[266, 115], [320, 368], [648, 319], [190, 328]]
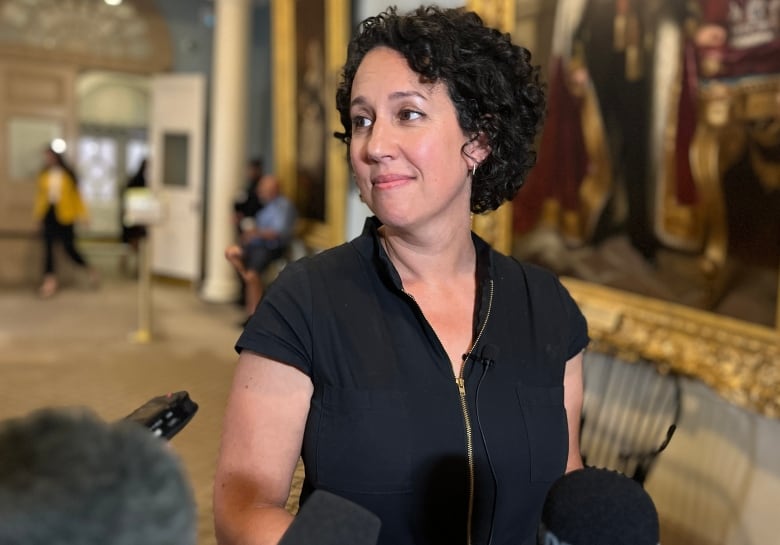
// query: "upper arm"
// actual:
[[261, 443], [572, 401]]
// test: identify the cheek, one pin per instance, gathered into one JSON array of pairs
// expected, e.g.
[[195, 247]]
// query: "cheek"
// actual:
[[443, 147], [355, 162], [440, 159], [353, 156], [427, 153], [360, 170]]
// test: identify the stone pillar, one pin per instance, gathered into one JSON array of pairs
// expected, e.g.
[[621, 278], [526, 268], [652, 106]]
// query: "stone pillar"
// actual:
[[227, 146]]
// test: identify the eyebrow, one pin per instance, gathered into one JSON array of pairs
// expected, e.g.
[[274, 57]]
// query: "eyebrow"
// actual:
[[361, 100]]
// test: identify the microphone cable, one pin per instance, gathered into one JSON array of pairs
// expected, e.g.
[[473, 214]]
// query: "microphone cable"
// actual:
[[486, 363]]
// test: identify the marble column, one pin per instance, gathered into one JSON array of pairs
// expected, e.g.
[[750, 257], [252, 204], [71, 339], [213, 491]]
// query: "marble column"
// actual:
[[227, 146]]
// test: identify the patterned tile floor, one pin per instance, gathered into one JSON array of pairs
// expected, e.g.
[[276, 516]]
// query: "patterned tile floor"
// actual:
[[77, 349]]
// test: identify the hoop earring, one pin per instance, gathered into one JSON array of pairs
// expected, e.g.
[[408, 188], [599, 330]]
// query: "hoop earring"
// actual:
[[473, 169]]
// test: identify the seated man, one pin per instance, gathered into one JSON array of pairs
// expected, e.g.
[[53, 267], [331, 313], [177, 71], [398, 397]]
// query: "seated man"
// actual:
[[68, 477], [264, 241]]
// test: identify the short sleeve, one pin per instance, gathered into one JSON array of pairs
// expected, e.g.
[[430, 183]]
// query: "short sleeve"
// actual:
[[281, 327], [578, 325]]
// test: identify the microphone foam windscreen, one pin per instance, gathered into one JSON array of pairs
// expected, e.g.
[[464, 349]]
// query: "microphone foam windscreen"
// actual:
[[598, 506], [328, 519]]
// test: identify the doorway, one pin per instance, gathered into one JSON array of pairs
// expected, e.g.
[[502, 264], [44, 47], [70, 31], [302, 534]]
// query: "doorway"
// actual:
[[106, 157]]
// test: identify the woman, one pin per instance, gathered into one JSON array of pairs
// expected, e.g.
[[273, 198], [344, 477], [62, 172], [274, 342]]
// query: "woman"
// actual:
[[58, 205], [418, 372]]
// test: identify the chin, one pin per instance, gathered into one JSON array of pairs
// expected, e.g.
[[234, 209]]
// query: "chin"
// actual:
[[393, 219]]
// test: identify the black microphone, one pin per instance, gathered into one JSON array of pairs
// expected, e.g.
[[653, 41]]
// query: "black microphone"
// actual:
[[489, 354], [591, 505], [328, 519]]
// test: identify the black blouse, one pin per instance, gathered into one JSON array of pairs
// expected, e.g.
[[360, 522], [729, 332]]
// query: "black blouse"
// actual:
[[386, 426]]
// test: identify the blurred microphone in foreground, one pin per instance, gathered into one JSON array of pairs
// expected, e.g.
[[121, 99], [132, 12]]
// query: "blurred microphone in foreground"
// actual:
[[328, 519], [68, 477], [594, 506]]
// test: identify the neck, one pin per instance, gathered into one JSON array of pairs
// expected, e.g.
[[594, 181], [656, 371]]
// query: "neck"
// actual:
[[438, 255]]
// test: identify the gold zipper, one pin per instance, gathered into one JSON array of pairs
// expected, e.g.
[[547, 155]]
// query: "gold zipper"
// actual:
[[461, 383]]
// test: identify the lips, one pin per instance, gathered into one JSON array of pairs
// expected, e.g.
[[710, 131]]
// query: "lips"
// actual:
[[389, 180]]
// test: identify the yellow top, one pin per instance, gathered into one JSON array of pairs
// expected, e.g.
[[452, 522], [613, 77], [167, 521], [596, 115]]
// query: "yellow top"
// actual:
[[68, 206]]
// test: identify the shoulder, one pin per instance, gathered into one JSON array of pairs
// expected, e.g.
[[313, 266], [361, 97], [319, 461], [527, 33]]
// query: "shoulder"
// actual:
[[326, 262], [325, 277], [546, 300], [283, 202], [283, 205], [541, 288], [511, 268]]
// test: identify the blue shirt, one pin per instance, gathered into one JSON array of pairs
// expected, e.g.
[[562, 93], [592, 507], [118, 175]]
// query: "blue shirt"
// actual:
[[278, 215]]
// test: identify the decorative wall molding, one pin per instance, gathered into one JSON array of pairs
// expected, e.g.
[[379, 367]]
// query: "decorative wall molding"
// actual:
[[130, 37], [739, 360]]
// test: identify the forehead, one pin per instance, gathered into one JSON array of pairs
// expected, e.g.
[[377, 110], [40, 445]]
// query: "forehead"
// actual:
[[385, 70]]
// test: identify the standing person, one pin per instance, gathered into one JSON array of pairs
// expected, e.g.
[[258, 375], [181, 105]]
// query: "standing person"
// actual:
[[419, 373], [264, 241], [58, 205], [132, 234]]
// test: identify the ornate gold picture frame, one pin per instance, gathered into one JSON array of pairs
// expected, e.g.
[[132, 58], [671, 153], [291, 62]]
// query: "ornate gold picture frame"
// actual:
[[738, 358], [308, 159]]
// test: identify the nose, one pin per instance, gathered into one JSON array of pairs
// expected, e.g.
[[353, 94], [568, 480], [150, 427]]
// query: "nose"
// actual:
[[381, 141]]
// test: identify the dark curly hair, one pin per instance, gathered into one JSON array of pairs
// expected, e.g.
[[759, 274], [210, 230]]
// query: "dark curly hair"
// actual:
[[495, 88]]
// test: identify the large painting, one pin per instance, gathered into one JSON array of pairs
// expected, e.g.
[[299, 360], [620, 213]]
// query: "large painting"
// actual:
[[656, 196], [309, 47], [655, 176]]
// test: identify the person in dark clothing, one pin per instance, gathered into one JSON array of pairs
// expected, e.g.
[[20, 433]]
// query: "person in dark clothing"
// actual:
[[132, 234], [418, 372], [246, 203]]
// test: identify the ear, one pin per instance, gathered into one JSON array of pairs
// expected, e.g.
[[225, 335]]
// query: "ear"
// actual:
[[477, 148]]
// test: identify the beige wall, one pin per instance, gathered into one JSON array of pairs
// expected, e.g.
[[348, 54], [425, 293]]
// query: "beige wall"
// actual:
[[38, 104]]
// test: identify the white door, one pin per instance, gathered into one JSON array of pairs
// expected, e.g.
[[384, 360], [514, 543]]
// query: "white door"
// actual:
[[176, 138]]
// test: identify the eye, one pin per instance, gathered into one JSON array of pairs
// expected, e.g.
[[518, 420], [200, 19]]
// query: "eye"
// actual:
[[410, 115], [360, 122]]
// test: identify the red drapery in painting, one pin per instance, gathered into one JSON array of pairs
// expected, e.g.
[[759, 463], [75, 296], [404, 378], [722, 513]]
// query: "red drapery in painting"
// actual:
[[562, 159]]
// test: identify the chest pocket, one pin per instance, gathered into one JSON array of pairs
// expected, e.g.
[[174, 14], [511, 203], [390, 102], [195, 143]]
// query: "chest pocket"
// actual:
[[361, 440], [545, 421]]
